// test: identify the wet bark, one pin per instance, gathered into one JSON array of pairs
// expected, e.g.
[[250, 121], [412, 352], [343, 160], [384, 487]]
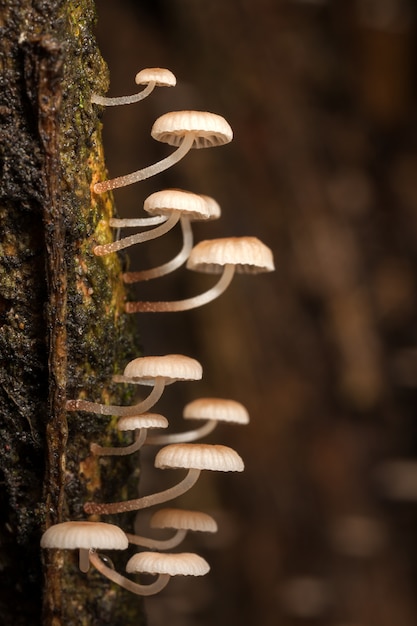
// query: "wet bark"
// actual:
[[62, 330]]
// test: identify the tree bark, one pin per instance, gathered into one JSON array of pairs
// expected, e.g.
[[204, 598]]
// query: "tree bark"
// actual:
[[62, 329]]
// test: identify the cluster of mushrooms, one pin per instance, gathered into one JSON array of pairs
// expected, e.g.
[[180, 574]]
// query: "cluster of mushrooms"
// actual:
[[165, 208]]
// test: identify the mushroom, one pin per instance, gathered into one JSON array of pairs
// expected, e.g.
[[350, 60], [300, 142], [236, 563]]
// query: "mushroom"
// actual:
[[157, 371], [138, 423], [84, 536], [184, 129], [163, 565], [227, 255], [187, 236], [175, 204], [151, 77], [192, 456], [213, 410], [178, 519]]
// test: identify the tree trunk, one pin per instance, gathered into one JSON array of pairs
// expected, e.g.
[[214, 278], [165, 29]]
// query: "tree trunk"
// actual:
[[62, 330]]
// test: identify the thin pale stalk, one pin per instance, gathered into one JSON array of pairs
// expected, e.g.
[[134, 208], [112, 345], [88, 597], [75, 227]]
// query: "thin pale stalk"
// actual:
[[160, 230], [121, 450], [185, 437], [120, 411], [136, 97], [189, 303], [137, 222], [121, 181], [126, 583], [109, 508], [170, 266], [158, 544]]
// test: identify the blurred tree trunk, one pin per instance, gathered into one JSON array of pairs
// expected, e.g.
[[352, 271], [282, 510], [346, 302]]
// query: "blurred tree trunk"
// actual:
[[62, 330]]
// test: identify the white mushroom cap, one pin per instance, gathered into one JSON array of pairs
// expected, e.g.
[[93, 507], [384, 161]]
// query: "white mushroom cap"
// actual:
[[145, 420], [87, 535], [166, 201], [184, 564], [181, 519], [172, 367], [209, 129], [248, 254], [158, 75], [213, 207], [199, 456], [217, 409]]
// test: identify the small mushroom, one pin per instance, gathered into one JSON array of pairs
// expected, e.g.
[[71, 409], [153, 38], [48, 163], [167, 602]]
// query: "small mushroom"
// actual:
[[157, 371], [162, 565], [184, 129], [192, 456], [175, 204], [151, 77], [84, 536], [213, 410], [214, 212], [226, 255], [181, 521], [138, 423]]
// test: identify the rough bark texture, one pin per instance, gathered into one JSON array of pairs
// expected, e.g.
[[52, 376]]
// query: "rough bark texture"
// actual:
[[62, 331]]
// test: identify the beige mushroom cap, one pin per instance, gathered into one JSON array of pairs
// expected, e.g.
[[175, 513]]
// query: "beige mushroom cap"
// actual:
[[217, 409], [183, 564], [199, 456], [248, 254], [172, 367], [182, 519], [166, 201], [213, 207], [87, 535], [158, 75], [145, 420], [209, 129]]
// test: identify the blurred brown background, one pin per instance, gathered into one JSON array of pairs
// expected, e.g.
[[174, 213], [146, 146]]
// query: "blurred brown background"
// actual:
[[321, 527]]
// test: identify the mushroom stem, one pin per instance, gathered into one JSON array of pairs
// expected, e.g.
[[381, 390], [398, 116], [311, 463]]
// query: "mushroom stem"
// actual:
[[137, 222], [189, 303], [115, 246], [185, 437], [158, 544], [122, 450], [92, 508], [136, 97], [140, 590], [121, 181], [83, 559], [120, 411], [170, 266]]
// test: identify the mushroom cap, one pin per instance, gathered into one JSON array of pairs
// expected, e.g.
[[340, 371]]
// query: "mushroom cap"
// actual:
[[247, 254], [88, 535], [172, 367], [202, 456], [166, 201], [181, 519], [144, 420], [209, 129], [159, 75], [183, 563], [213, 207], [217, 409]]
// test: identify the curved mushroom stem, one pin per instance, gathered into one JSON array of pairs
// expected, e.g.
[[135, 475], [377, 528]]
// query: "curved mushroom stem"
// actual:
[[120, 411], [122, 450], [92, 508], [185, 437], [115, 246], [140, 590], [136, 97], [137, 222], [158, 544], [121, 181], [189, 303], [84, 559]]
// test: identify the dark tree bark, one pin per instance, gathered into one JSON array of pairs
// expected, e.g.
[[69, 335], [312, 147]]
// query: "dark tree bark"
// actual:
[[62, 330]]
